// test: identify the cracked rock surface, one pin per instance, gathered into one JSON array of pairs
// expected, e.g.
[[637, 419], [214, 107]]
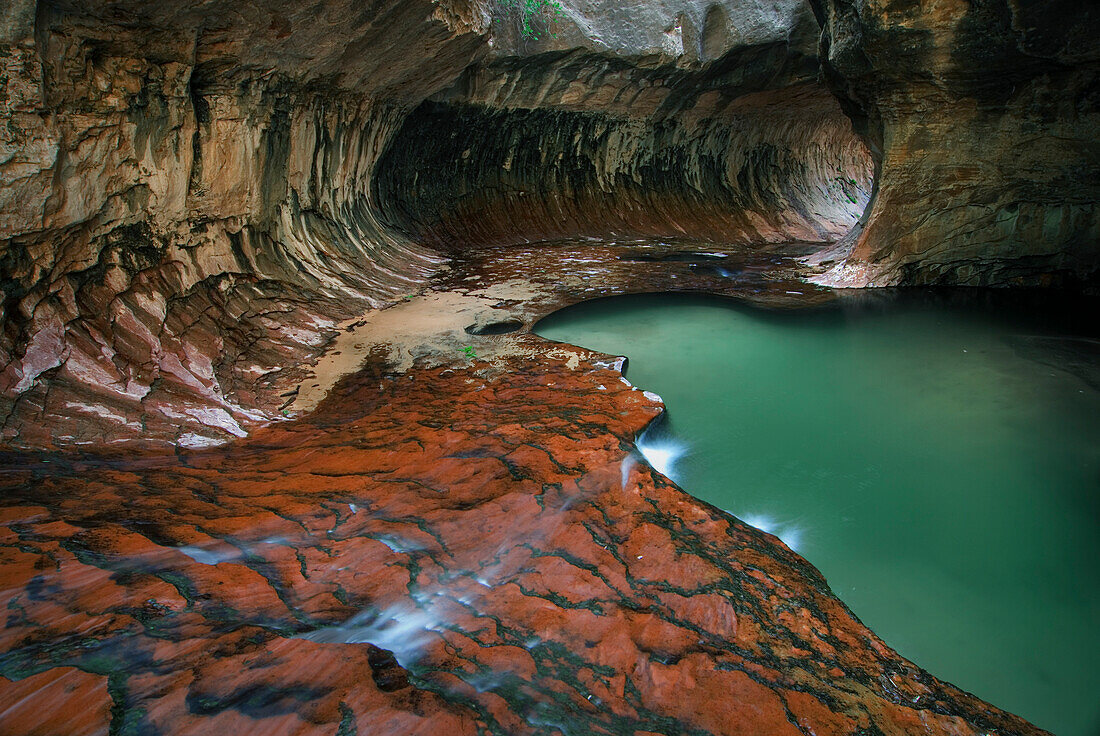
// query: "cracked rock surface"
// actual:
[[471, 545]]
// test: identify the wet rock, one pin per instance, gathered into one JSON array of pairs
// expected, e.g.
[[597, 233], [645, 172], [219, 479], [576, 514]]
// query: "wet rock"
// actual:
[[449, 552], [57, 700], [196, 199], [502, 327]]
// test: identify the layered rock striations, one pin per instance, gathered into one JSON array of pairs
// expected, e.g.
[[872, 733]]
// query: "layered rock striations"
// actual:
[[983, 119], [194, 199], [186, 206], [773, 166], [716, 128]]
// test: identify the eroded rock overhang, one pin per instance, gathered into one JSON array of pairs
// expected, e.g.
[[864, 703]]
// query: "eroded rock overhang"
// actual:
[[185, 211], [982, 118], [745, 147], [194, 199]]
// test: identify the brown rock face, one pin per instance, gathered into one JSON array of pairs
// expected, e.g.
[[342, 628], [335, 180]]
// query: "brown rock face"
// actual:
[[982, 117], [746, 148], [185, 204], [194, 199], [766, 167]]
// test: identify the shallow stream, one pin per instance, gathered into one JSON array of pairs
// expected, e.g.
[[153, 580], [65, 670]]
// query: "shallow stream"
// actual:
[[936, 456]]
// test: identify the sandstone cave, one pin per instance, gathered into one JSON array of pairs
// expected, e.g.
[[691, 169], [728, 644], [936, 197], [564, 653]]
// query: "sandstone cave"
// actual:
[[572, 367]]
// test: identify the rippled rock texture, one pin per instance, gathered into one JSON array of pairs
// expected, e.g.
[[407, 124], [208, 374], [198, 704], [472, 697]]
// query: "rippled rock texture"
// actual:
[[185, 207], [196, 198]]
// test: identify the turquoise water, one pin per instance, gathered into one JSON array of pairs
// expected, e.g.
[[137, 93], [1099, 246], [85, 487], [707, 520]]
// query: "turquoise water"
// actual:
[[935, 460]]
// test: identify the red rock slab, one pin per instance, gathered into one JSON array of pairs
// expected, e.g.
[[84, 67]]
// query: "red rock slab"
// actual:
[[415, 557], [62, 700]]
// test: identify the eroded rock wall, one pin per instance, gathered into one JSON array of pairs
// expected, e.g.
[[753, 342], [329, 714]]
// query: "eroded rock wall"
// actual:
[[633, 119], [185, 203], [983, 119], [168, 328], [672, 155], [193, 198]]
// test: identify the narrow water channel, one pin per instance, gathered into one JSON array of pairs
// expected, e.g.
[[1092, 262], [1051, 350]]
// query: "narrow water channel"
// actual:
[[936, 456]]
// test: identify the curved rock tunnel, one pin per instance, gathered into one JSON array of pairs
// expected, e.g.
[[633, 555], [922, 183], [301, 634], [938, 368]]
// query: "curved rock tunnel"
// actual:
[[193, 199], [200, 203], [762, 163]]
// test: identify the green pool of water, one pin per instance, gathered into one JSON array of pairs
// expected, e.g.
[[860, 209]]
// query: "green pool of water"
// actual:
[[936, 457]]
